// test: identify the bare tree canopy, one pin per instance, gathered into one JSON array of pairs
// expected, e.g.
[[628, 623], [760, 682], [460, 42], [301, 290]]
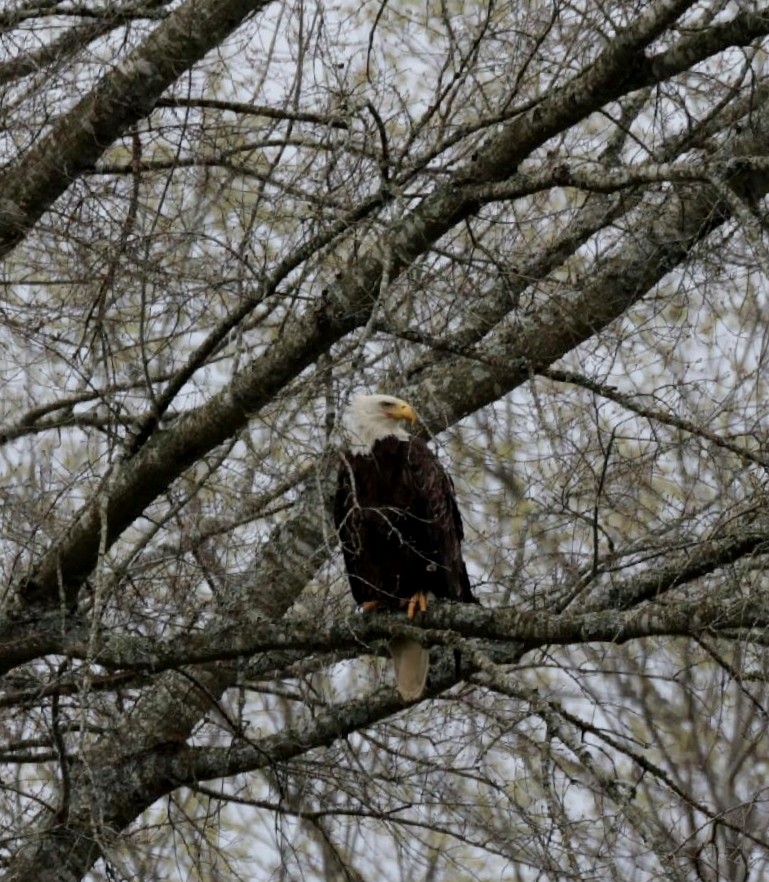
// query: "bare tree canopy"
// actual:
[[542, 224]]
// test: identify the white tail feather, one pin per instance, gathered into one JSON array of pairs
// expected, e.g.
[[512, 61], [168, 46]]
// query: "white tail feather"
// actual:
[[412, 662]]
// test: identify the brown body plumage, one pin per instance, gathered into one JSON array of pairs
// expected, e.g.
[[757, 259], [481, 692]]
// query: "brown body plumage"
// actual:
[[400, 529]]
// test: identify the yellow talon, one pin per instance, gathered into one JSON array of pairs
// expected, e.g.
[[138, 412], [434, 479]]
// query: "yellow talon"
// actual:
[[418, 600]]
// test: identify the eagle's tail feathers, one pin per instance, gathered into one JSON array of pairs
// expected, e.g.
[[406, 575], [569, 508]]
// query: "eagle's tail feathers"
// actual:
[[412, 662]]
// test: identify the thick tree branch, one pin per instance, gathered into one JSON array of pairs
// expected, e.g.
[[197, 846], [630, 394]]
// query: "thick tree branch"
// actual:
[[622, 612]]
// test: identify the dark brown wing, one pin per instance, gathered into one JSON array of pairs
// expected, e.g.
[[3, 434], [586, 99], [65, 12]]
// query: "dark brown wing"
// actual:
[[442, 522]]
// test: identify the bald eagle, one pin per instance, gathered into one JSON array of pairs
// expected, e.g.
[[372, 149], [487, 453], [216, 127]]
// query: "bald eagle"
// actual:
[[398, 524]]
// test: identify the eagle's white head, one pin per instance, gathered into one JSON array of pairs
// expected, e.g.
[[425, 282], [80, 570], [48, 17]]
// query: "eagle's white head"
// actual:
[[376, 416]]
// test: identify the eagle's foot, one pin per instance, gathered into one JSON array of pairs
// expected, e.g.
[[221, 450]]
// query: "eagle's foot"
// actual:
[[417, 601]]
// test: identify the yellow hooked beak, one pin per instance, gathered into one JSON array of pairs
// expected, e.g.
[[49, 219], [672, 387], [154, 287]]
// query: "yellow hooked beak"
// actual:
[[402, 411]]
